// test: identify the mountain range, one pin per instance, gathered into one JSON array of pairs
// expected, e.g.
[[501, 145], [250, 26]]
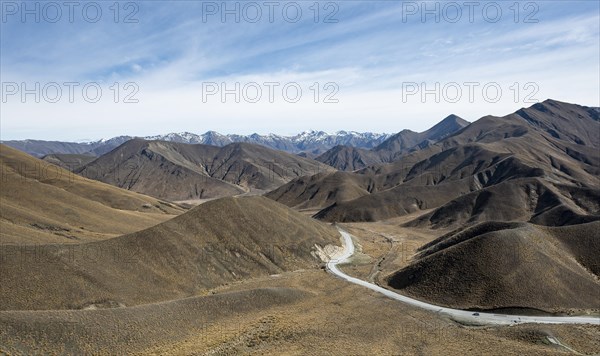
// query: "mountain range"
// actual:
[[309, 143], [180, 171], [124, 251], [519, 195], [539, 164], [351, 158]]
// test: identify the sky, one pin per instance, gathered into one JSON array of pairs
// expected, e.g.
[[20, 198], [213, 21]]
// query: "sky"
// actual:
[[91, 70]]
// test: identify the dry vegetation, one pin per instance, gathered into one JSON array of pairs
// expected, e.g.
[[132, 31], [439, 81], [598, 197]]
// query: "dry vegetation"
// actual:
[[42, 203], [510, 267], [178, 171], [215, 243], [89, 268], [540, 164], [297, 313], [301, 310]]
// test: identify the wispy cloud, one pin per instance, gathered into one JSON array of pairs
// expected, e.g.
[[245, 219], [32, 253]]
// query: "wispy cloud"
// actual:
[[368, 53]]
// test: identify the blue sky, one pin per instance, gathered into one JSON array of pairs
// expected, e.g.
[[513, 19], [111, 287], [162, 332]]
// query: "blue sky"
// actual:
[[377, 56]]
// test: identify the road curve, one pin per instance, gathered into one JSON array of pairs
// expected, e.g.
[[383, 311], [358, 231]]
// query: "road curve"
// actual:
[[456, 314]]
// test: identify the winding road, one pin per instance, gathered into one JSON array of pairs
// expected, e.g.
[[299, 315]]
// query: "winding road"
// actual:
[[456, 314]]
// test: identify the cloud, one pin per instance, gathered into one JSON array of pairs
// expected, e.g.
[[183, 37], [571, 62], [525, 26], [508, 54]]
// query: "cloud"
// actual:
[[368, 53]]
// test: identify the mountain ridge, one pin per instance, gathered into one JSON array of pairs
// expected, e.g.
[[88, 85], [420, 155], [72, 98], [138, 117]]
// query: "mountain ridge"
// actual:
[[312, 142], [472, 175], [349, 158], [180, 171]]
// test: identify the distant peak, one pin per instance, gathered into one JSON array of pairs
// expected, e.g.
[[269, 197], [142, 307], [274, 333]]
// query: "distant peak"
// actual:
[[450, 121], [451, 117], [552, 101], [455, 118]]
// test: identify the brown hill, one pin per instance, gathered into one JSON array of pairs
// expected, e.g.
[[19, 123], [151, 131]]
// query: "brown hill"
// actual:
[[408, 187], [70, 162], [508, 267], [138, 329], [406, 140], [178, 171], [556, 118], [215, 243], [397, 201], [259, 167], [348, 158], [488, 152], [322, 190], [526, 199], [43, 203]]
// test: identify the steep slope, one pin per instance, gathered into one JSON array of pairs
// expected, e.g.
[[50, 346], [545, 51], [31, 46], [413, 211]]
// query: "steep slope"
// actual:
[[489, 152], [397, 201], [215, 243], [322, 190], [402, 187], [350, 158], [98, 148], [406, 140], [70, 162], [259, 167], [43, 203], [525, 199], [449, 125], [166, 170], [177, 171], [556, 118], [508, 267]]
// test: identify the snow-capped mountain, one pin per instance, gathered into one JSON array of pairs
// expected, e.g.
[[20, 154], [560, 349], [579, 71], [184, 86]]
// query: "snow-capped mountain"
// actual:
[[310, 142]]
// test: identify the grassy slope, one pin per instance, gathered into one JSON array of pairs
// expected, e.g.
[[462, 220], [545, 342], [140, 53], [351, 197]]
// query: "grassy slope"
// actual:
[[215, 243], [42, 203], [508, 265]]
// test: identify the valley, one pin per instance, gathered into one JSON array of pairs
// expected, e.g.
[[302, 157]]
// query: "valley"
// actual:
[[305, 311], [463, 239]]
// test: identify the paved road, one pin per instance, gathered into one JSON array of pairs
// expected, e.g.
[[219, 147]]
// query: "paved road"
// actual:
[[457, 314]]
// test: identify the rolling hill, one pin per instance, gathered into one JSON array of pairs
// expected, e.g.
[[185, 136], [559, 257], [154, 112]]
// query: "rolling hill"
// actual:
[[43, 203], [524, 199], [508, 267], [213, 244], [322, 190], [347, 158], [178, 171]]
